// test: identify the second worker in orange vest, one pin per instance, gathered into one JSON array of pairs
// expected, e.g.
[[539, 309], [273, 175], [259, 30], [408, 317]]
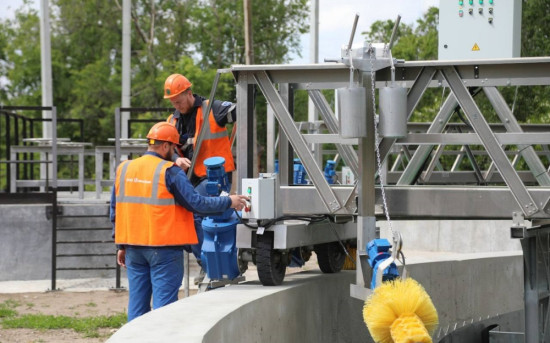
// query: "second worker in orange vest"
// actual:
[[188, 119]]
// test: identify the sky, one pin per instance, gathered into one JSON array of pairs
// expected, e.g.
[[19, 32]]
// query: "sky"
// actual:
[[335, 20]]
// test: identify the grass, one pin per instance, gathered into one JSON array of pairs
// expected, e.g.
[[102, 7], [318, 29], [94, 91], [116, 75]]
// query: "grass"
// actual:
[[7, 309], [9, 319]]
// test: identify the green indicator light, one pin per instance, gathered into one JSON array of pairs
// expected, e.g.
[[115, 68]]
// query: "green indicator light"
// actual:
[[249, 190], [461, 2], [471, 2], [481, 2], [491, 2]]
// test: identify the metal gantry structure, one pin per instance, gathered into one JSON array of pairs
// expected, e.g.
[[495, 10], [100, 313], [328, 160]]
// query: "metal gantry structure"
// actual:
[[417, 186]]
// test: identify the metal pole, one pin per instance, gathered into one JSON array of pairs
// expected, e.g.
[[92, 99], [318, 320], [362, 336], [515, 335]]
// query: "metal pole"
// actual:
[[186, 272], [126, 63], [117, 137], [54, 148], [366, 220], [46, 76], [8, 154], [312, 112], [270, 159], [117, 280], [248, 48], [531, 292], [46, 66], [54, 238]]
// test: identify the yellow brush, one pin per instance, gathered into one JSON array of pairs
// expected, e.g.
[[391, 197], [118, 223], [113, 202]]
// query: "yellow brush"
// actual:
[[400, 311]]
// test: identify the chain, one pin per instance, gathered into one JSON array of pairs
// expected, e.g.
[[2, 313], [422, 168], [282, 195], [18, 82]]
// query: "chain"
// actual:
[[377, 147]]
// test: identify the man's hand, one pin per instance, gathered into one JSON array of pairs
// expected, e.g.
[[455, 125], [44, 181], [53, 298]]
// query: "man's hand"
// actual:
[[121, 258], [183, 162], [238, 202]]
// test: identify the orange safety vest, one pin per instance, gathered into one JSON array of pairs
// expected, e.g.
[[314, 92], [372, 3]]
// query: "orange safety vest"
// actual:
[[146, 212], [215, 142]]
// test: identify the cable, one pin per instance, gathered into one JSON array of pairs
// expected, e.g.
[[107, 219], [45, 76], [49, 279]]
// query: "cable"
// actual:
[[311, 219], [376, 145], [342, 244], [271, 222]]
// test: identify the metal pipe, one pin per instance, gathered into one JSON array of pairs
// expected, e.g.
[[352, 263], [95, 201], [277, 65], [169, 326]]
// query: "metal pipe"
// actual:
[[126, 63], [394, 32], [353, 31], [54, 237], [46, 65]]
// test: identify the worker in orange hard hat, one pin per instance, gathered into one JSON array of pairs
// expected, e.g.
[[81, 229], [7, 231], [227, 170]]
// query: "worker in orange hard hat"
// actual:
[[188, 119], [152, 207]]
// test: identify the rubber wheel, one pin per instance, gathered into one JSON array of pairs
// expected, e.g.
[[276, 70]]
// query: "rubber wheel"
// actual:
[[330, 256], [271, 269]]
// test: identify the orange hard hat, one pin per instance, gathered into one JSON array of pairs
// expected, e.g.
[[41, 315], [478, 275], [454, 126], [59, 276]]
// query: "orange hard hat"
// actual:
[[174, 85], [164, 131]]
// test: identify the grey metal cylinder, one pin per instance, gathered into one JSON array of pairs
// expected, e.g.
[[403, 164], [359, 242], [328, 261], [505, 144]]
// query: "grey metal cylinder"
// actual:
[[393, 112], [352, 109]]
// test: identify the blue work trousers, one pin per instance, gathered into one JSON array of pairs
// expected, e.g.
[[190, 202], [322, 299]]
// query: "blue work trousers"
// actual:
[[156, 272]]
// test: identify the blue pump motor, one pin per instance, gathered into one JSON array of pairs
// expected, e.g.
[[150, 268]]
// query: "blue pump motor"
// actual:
[[299, 173], [379, 251], [219, 248], [330, 172], [218, 182], [216, 175]]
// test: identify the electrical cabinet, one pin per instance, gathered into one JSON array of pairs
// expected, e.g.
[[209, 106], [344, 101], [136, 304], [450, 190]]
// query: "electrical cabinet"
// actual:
[[479, 29], [262, 198]]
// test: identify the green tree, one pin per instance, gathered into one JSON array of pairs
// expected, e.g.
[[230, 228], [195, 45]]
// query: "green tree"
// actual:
[[20, 59], [276, 28], [168, 36]]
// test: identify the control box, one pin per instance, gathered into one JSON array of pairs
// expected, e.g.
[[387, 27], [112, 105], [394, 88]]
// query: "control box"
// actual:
[[479, 29], [262, 193]]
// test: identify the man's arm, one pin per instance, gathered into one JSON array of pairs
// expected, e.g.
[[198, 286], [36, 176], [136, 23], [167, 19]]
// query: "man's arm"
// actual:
[[224, 112], [112, 210], [186, 196], [112, 215]]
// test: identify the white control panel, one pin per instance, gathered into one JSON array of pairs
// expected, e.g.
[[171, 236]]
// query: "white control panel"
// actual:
[[262, 198], [479, 29]]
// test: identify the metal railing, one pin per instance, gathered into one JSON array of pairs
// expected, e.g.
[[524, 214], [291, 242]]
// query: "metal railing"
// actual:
[[18, 127]]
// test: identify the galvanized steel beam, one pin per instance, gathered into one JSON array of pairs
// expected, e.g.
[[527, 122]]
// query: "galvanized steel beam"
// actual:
[[286, 123], [490, 142]]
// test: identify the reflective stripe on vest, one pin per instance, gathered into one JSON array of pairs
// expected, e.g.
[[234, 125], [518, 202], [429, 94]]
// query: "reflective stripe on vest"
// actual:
[[209, 134], [153, 199]]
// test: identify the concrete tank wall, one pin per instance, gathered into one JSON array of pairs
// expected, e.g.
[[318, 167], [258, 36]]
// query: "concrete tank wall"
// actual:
[[463, 236], [315, 307], [26, 242]]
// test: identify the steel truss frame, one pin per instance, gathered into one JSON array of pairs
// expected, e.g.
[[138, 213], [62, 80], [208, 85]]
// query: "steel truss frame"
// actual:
[[416, 184]]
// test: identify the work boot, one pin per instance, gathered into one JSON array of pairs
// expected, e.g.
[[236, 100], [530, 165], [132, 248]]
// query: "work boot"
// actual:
[[198, 279]]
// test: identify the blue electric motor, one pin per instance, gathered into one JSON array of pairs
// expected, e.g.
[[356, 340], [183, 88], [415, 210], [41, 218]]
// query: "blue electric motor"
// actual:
[[378, 251], [219, 250], [299, 173], [330, 172]]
